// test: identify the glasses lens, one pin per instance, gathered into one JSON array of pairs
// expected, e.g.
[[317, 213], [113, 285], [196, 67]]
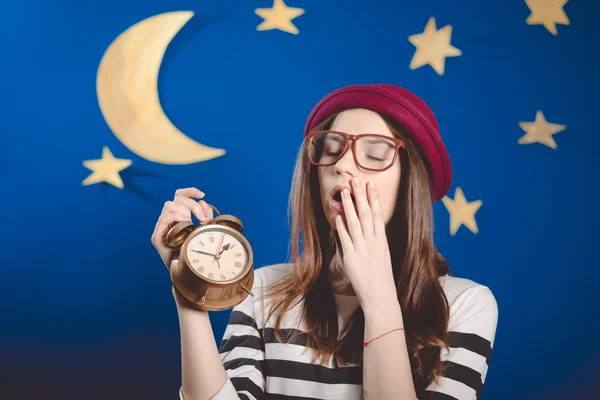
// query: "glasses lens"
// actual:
[[371, 151], [326, 147], [375, 152]]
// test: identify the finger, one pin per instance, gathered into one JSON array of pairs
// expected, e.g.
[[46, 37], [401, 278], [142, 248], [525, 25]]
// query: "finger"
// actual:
[[376, 211], [191, 205], [171, 218], [208, 211], [352, 221], [191, 192], [345, 239], [364, 209], [175, 212], [165, 222], [172, 207]]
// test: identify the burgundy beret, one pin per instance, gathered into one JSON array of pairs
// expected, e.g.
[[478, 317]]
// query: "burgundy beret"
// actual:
[[405, 108]]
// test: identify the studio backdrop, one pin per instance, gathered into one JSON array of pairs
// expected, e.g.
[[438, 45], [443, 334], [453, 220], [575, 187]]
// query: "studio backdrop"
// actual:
[[107, 107]]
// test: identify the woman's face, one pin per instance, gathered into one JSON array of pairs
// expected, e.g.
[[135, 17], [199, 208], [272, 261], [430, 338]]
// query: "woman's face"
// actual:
[[357, 121]]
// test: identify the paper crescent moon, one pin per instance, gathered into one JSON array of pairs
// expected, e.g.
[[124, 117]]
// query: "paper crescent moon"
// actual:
[[127, 90]]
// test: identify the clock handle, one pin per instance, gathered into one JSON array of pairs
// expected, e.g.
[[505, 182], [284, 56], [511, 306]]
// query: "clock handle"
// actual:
[[214, 208]]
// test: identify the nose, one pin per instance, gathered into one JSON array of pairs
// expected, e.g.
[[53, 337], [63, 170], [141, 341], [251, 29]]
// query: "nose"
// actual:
[[346, 164]]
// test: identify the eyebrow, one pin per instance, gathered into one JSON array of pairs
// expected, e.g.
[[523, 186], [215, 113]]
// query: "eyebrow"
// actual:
[[337, 138], [370, 140], [377, 141]]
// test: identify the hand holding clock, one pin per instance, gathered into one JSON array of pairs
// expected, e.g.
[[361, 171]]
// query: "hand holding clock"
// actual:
[[192, 275], [179, 209], [215, 238]]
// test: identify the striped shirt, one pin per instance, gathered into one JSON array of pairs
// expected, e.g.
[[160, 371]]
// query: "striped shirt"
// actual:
[[284, 370]]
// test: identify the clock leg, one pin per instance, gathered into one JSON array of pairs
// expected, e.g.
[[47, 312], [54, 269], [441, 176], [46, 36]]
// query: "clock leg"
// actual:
[[246, 290]]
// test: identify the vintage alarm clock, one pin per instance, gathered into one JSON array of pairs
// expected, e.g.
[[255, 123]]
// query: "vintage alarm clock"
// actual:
[[214, 270]]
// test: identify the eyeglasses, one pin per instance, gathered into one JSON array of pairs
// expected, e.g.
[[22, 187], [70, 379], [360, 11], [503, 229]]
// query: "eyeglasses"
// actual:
[[371, 151]]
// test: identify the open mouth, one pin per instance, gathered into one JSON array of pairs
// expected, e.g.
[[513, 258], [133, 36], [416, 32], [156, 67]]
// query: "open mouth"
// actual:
[[336, 201], [338, 197]]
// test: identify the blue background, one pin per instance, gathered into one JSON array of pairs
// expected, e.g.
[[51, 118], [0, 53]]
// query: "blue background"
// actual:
[[87, 310]]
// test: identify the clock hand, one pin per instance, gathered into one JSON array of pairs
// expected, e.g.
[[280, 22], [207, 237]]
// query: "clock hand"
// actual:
[[226, 247], [203, 252], [218, 263], [219, 247]]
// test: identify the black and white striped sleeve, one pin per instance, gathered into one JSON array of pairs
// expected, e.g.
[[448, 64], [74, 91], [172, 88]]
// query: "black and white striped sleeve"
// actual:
[[243, 354], [471, 337]]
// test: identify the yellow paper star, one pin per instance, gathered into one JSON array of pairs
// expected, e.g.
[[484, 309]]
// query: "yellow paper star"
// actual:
[[547, 13], [106, 169], [279, 17], [461, 212], [433, 47], [540, 131]]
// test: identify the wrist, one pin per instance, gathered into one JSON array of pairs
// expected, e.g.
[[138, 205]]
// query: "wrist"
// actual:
[[380, 323], [389, 314], [383, 305], [184, 305]]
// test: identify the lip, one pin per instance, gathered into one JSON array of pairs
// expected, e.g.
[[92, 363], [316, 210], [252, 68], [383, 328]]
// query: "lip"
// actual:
[[336, 205]]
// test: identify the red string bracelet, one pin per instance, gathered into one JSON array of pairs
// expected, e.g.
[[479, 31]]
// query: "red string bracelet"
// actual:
[[397, 329]]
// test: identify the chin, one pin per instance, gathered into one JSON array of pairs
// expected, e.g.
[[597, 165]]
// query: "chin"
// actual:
[[330, 215]]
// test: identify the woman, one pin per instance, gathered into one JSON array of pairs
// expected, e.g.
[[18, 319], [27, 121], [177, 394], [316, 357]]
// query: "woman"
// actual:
[[368, 310]]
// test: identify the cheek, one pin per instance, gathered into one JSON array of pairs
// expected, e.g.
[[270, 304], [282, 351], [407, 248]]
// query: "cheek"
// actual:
[[387, 199], [324, 175], [388, 190]]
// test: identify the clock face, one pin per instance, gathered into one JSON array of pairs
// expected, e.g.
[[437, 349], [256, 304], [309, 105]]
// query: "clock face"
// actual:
[[217, 255]]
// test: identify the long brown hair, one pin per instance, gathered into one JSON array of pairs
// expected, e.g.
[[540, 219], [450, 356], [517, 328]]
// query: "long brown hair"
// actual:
[[416, 264]]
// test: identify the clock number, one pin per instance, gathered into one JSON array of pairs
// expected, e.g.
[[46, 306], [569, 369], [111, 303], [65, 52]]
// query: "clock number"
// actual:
[[238, 254], [201, 242], [238, 264], [232, 245], [211, 238], [196, 260], [223, 277], [210, 275], [201, 269]]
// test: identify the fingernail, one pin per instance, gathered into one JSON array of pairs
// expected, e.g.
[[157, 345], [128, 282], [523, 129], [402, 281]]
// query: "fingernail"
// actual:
[[371, 186], [346, 193], [356, 181]]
